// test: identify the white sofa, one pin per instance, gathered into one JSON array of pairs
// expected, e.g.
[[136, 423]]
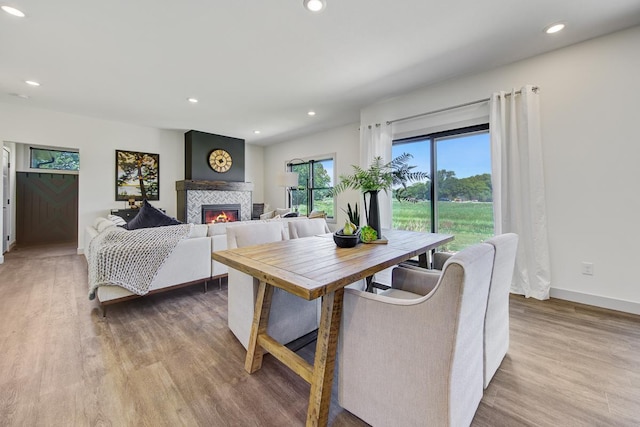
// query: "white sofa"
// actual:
[[189, 263]]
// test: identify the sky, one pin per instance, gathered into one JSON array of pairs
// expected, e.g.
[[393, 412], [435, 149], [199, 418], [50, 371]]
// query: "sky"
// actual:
[[466, 155]]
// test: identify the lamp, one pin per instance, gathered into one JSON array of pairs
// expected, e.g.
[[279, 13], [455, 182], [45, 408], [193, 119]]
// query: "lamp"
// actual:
[[288, 180]]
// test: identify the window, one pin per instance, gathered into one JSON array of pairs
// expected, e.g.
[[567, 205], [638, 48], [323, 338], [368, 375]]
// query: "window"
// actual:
[[42, 158], [315, 185], [459, 201]]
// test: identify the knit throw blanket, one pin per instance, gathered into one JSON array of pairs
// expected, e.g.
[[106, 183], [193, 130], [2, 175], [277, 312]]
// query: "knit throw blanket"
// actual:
[[131, 259]]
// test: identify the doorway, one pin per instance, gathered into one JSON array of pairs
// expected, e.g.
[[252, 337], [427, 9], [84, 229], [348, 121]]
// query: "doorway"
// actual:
[[46, 208], [6, 200]]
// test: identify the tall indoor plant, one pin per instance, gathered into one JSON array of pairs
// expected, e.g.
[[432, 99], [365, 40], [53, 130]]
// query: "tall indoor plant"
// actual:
[[378, 177]]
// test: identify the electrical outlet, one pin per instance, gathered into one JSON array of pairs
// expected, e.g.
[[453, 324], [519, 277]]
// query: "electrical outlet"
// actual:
[[587, 268]]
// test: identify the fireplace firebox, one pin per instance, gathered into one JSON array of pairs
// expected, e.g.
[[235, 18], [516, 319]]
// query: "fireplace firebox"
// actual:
[[212, 214]]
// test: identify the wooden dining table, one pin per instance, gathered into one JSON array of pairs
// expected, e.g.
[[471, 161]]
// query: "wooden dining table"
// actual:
[[314, 267]]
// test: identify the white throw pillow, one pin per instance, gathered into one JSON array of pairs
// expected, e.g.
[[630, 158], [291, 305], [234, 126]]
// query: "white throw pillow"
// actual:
[[98, 221], [104, 224], [282, 212], [318, 214], [267, 215], [117, 220]]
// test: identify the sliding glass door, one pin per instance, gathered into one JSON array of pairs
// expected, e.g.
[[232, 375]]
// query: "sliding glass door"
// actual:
[[459, 200]]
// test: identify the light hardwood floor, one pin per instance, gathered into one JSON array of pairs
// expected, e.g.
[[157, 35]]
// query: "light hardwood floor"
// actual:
[[170, 359]]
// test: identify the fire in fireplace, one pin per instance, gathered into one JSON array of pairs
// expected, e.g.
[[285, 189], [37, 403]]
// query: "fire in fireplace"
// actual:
[[212, 214]]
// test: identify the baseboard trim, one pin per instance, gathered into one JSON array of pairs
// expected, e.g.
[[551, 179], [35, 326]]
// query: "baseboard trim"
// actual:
[[80, 251], [596, 300], [1, 259]]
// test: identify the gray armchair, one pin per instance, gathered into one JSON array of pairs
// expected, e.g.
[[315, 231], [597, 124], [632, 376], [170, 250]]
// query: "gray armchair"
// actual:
[[291, 317], [496, 322], [410, 359]]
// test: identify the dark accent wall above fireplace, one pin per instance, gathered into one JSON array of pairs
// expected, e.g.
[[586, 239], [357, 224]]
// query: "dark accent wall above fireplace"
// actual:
[[198, 146]]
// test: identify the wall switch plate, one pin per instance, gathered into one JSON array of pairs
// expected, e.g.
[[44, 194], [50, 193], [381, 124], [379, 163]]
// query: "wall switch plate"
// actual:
[[587, 268]]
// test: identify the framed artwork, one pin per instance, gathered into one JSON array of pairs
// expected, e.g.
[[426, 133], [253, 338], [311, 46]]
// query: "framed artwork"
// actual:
[[137, 175]]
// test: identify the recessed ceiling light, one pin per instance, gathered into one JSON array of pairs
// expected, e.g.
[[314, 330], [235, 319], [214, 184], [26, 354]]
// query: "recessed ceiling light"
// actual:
[[311, 113], [315, 5], [554, 28], [13, 11], [192, 100], [257, 132], [32, 83], [20, 95]]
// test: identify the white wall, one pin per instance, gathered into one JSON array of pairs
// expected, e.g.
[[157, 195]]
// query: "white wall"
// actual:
[[342, 141], [97, 141], [254, 170], [589, 115]]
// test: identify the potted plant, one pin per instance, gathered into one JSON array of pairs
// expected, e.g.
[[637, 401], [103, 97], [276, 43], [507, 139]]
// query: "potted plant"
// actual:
[[353, 214], [378, 177]]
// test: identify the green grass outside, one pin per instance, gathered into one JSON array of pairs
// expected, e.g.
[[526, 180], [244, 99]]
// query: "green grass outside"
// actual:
[[469, 222]]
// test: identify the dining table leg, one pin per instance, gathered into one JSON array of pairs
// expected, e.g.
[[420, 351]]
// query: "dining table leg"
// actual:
[[325, 358], [253, 361]]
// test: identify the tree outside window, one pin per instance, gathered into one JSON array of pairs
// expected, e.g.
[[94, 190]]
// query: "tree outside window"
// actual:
[[42, 158], [315, 184]]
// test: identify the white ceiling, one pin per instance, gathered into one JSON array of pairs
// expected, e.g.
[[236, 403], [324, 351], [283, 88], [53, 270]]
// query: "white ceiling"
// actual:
[[262, 64]]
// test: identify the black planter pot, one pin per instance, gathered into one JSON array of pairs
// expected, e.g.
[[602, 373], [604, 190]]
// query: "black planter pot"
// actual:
[[373, 211]]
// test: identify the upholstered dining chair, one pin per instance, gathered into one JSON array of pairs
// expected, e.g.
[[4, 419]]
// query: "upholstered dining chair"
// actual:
[[496, 321], [410, 359], [290, 318], [307, 228]]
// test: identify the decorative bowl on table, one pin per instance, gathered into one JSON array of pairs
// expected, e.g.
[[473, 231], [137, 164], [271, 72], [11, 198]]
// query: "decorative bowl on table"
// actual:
[[346, 240]]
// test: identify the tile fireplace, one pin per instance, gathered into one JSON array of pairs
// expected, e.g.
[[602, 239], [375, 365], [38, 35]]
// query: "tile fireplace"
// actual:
[[192, 195]]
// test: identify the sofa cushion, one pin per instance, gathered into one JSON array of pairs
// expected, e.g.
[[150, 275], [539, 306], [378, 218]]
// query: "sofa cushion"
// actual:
[[198, 230], [103, 224], [117, 220], [97, 221], [318, 214], [149, 217], [268, 215]]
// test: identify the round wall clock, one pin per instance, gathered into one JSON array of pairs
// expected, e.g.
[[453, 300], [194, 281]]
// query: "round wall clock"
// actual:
[[220, 160]]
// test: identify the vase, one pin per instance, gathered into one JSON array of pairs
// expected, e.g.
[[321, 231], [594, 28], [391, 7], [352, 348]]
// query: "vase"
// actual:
[[373, 211]]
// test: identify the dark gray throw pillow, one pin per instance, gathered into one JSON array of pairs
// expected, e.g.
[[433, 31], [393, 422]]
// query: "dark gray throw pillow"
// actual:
[[149, 217]]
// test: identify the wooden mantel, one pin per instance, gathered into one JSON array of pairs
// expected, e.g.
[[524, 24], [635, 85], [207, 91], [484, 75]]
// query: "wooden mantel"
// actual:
[[186, 185]]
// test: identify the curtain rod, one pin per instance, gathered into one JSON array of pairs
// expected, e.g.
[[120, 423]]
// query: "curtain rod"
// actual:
[[466, 104]]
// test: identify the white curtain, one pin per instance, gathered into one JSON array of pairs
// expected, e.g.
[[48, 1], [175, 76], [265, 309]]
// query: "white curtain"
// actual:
[[518, 187], [375, 140]]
